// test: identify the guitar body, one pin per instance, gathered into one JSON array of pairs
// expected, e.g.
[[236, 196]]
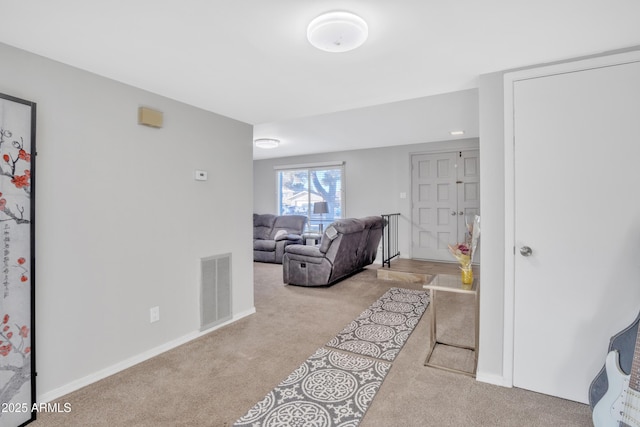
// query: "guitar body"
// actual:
[[608, 411], [614, 394], [624, 343]]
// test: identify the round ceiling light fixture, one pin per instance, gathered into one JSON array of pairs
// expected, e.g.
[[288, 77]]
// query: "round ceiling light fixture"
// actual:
[[267, 143], [337, 31]]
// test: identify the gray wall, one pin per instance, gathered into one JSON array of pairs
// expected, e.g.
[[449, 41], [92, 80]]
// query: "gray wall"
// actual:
[[374, 179], [121, 223], [492, 206]]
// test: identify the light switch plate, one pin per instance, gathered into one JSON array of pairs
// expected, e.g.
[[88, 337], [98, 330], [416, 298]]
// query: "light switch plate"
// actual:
[[200, 175]]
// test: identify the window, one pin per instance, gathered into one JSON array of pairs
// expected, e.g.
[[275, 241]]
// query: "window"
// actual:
[[301, 187]]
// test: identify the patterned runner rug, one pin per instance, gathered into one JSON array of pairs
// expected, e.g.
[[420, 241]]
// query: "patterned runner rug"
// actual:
[[335, 388], [382, 329], [328, 389]]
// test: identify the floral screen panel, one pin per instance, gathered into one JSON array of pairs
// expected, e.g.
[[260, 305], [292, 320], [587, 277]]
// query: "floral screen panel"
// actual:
[[17, 298]]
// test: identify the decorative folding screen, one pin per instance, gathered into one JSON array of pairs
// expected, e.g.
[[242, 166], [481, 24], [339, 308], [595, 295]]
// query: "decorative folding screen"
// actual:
[[17, 281]]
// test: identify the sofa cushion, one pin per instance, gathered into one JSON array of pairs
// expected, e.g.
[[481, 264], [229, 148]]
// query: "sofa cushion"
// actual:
[[293, 224], [262, 225], [341, 226], [348, 225]]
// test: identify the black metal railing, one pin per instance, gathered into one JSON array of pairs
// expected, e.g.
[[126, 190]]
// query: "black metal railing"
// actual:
[[390, 238]]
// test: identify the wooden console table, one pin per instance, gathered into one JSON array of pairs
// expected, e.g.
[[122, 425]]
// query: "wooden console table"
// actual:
[[452, 283]]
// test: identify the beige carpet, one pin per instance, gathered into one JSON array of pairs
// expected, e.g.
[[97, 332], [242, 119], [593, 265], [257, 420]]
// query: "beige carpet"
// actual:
[[214, 380]]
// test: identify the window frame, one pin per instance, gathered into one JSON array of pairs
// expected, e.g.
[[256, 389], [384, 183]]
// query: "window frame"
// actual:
[[312, 219]]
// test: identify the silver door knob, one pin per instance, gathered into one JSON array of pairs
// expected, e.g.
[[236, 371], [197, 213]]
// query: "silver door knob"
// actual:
[[526, 251], [453, 213]]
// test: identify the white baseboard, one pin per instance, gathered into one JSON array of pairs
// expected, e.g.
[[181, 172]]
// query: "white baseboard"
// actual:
[[125, 364], [493, 379]]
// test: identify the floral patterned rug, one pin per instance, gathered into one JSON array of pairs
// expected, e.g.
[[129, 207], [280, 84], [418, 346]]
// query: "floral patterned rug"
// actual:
[[335, 388], [382, 329]]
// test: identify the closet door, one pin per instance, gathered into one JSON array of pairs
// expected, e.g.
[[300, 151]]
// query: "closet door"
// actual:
[[577, 208], [468, 186]]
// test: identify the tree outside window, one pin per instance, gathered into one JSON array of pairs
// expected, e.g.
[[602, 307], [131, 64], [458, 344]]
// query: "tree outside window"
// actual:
[[299, 189]]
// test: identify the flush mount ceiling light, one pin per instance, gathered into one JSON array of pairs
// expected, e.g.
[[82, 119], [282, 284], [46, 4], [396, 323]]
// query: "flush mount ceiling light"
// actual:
[[337, 31], [267, 143]]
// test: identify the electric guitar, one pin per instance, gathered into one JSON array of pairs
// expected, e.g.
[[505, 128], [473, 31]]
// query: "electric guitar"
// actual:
[[620, 405]]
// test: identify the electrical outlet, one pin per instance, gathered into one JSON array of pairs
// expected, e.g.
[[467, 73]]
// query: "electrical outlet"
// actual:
[[154, 314]]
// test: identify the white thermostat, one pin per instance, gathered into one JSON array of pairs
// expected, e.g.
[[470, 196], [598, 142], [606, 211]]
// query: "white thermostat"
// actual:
[[200, 175]]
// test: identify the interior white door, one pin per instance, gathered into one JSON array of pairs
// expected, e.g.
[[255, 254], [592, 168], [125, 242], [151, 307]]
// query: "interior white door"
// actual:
[[434, 199], [445, 188], [577, 179]]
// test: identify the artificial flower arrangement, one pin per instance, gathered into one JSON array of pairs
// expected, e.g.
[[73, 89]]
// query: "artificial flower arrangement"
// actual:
[[463, 252]]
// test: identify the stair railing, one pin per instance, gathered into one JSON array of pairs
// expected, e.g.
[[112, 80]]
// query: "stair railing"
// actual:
[[390, 238]]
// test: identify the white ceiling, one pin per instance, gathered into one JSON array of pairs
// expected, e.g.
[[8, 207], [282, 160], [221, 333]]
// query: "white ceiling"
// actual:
[[425, 119], [250, 60]]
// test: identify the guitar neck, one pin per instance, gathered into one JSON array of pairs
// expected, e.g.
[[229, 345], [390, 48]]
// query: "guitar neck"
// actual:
[[634, 380]]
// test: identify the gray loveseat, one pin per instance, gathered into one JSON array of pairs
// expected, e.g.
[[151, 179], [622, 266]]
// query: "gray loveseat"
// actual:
[[347, 246], [272, 233]]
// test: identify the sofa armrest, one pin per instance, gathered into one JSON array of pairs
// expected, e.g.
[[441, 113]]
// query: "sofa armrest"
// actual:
[[304, 250]]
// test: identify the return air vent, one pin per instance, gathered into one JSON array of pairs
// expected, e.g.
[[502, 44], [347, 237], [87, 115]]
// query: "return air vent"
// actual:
[[215, 292]]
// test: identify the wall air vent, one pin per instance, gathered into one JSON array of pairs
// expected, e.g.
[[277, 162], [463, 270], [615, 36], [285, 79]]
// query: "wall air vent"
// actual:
[[215, 292]]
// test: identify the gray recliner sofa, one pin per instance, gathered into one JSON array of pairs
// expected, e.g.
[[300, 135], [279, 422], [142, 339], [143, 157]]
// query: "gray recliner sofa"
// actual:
[[272, 233], [347, 246]]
